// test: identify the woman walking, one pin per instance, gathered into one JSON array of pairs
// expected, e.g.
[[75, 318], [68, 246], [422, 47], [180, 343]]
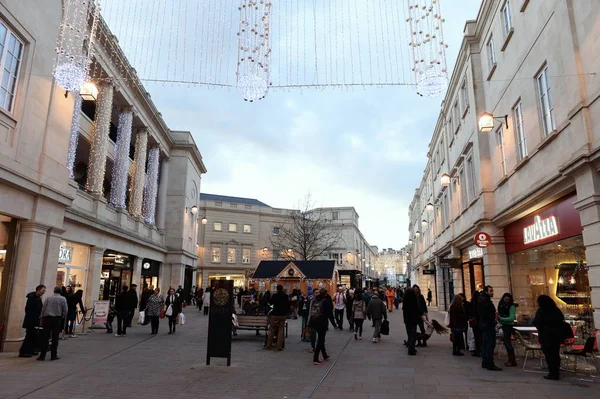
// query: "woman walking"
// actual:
[[507, 309], [549, 322], [458, 324], [410, 311], [206, 300], [173, 304], [72, 302], [153, 309], [359, 311]]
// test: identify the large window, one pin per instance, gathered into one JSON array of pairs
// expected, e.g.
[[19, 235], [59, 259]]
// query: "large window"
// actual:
[[520, 131], [232, 227], [506, 18], [11, 55], [465, 95], [247, 228], [463, 189], [472, 181], [246, 255], [230, 255], [546, 102], [216, 254], [218, 226], [445, 211], [456, 115], [491, 52], [501, 153]]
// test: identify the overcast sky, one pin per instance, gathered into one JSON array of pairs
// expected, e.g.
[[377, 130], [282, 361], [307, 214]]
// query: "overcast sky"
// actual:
[[361, 147]]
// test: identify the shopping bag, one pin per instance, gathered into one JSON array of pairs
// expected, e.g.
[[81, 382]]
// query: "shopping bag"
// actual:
[[142, 317], [169, 311], [181, 319], [447, 319], [470, 339], [385, 328]]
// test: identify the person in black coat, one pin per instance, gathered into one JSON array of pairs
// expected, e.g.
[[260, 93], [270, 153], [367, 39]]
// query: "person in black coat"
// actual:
[[488, 317], [132, 303], [174, 303], [320, 315], [33, 312], [122, 311], [549, 321], [410, 312], [422, 306], [72, 301]]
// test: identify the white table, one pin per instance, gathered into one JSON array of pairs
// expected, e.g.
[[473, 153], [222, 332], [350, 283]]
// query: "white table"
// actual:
[[526, 329]]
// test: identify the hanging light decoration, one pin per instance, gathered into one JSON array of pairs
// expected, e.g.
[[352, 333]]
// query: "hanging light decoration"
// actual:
[[151, 190], [100, 138], [254, 50], [74, 137], [118, 190], [74, 49], [138, 181], [428, 47]]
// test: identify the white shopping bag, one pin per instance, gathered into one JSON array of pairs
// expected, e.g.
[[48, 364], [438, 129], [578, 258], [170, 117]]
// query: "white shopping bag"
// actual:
[[447, 320], [470, 339], [181, 319], [142, 317]]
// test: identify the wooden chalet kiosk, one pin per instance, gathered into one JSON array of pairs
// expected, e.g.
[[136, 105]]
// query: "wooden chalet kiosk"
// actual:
[[295, 274]]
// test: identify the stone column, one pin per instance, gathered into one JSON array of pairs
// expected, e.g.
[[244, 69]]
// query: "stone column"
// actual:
[[53, 240], [100, 132], [162, 194], [205, 279], [164, 277], [74, 136], [28, 267], [93, 276], [120, 171], [139, 173], [149, 208], [495, 267], [137, 272]]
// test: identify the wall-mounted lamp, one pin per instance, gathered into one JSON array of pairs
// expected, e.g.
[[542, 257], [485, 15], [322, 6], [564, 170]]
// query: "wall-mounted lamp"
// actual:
[[204, 220], [486, 122], [429, 207], [410, 242], [89, 92], [194, 210], [417, 234], [265, 249], [445, 180], [424, 224]]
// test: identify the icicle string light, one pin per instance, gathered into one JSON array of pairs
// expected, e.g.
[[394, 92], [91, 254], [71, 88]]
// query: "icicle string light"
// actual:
[[138, 181], [118, 191], [100, 132], [74, 47], [151, 190], [74, 137]]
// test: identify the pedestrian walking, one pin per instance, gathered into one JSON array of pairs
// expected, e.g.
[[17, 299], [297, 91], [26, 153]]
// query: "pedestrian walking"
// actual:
[[410, 312], [173, 304], [73, 300], [206, 301], [429, 296], [507, 309], [146, 293], [549, 321], [320, 315], [487, 324], [349, 312], [376, 311], [154, 308], [366, 296], [122, 309], [423, 314], [339, 302], [281, 309], [199, 295], [294, 303], [359, 310], [33, 311], [458, 325], [54, 313], [390, 294], [131, 304]]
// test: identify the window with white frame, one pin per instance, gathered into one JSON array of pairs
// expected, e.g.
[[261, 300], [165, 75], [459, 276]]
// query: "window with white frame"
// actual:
[[464, 95], [11, 55], [445, 210], [275, 231], [442, 153], [230, 255], [520, 131], [501, 153], [216, 254], [218, 226], [246, 255], [546, 102], [491, 52], [506, 18], [456, 115], [463, 189], [472, 181], [232, 227], [247, 228]]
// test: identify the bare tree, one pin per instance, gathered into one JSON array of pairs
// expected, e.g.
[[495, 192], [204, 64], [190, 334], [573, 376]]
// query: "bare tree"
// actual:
[[307, 235]]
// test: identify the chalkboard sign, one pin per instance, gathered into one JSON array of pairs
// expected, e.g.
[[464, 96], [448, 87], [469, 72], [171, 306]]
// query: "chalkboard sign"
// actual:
[[219, 320]]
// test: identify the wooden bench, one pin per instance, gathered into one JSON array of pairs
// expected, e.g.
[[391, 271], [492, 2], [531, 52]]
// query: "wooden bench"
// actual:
[[256, 323]]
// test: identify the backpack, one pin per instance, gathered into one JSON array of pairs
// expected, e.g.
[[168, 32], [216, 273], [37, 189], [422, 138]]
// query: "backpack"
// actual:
[[316, 310]]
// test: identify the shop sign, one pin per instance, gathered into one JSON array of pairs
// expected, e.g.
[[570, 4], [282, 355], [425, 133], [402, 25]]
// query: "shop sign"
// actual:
[[428, 271], [65, 254], [120, 260], [475, 253], [540, 229], [451, 263], [483, 239], [101, 309], [219, 320]]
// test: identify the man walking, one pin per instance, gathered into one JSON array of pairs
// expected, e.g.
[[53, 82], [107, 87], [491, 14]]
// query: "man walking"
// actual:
[[376, 311], [339, 301], [131, 304], [487, 325], [122, 309], [429, 296], [320, 313], [54, 312], [33, 311], [281, 308]]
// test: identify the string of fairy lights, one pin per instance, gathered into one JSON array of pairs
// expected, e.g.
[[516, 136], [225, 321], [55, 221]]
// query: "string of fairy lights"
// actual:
[[118, 191], [100, 134], [151, 190], [138, 180], [74, 135]]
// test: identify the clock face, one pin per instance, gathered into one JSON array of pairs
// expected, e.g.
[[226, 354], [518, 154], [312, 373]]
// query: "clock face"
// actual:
[[146, 265], [221, 297]]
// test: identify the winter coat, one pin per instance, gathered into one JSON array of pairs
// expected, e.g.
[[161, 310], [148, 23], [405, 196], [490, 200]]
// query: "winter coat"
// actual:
[[322, 322], [206, 299], [376, 309], [33, 310], [154, 305], [458, 317], [359, 310], [175, 304], [486, 311], [422, 305], [549, 323], [410, 310], [507, 313]]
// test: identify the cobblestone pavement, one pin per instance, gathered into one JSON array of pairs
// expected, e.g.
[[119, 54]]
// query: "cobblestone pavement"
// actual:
[[100, 365]]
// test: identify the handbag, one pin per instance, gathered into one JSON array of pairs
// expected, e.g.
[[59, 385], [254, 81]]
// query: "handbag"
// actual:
[[162, 313], [385, 328]]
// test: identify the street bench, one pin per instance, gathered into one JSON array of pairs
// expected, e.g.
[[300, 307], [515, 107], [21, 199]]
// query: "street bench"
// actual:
[[256, 323]]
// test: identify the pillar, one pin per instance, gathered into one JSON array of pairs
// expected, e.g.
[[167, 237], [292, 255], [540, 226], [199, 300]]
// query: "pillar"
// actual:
[[74, 136], [162, 194], [164, 277], [30, 256], [93, 276], [139, 173], [149, 206], [205, 279], [100, 132], [53, 240], [137, 273], [177, 275], [495, 267], [120, 172]]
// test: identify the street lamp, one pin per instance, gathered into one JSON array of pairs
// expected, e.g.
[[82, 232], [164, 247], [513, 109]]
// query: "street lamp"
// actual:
[[89, 92], [424, 223], [486, 122], [410, 242], [204, 220], [445, 180], [194, 210], [429, 207], [417, 234]]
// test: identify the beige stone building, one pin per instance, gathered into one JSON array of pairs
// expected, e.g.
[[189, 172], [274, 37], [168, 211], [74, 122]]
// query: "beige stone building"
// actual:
[[85, 194], [514, 154]]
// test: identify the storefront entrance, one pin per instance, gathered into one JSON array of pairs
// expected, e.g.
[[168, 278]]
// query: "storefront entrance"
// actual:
[[473, 277], [116, 272], [9, 229]]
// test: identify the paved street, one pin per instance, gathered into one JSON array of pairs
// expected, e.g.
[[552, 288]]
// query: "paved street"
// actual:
[[103, 366]]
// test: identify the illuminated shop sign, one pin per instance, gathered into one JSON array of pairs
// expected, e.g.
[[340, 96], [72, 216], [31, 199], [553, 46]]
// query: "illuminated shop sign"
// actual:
[[65, 254], [475, 253], [540, 229]]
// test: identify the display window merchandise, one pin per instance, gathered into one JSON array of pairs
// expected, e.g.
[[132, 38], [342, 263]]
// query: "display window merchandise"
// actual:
[[72, 268], [472, 270]]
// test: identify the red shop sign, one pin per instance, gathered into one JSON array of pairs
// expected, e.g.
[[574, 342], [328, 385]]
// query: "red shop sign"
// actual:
[[554, 222], [483, 239]]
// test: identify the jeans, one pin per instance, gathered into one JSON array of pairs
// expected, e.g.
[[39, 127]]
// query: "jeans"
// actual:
[[122, 317], [206, 311], [277, 326], [154, 321], [411, 332], [506, 338], [358, 326], [70, 326], [52, 327], [339, 318], [458, 343], [313, 338], [172, 322], [321, 332], [552, 354], [376, 333], [30, 342], [488, 344]]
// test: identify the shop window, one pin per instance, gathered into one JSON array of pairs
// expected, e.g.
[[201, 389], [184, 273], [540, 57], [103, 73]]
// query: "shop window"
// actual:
[[73, 263], [246, 255], [230, 255], [216, 254]]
